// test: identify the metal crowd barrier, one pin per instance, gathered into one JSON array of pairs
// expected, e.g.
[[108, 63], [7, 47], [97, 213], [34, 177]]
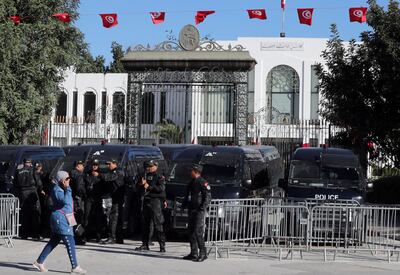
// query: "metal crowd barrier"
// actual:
[[253, 224], [296, 225], [371, 228], [9, 218]]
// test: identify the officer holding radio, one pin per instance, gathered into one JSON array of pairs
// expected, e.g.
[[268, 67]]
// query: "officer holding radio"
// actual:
[[152, 187]]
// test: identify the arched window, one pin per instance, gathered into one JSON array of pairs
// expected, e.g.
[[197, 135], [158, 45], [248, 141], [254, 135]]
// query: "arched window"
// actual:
[[118, 108], [283, 94], [147, 108], [61, 108], [89, 107]]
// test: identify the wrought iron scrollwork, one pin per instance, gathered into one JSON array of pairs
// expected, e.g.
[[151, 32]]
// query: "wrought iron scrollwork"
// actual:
[[172, 46]]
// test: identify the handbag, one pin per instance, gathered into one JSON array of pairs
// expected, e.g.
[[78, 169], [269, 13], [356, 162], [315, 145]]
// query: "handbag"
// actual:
[[79, 230]]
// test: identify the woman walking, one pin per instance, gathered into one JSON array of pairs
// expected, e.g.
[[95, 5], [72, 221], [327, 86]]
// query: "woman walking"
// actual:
[[61, 223]]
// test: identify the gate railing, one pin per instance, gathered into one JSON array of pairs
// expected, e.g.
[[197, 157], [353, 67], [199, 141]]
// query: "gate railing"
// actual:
[[9, 218], [258, 224]]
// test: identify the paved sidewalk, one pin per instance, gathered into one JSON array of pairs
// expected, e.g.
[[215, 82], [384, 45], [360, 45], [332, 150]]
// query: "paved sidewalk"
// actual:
[[122, 259]]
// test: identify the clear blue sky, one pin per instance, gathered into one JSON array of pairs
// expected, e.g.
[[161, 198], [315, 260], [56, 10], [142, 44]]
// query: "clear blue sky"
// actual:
[[229, 22]]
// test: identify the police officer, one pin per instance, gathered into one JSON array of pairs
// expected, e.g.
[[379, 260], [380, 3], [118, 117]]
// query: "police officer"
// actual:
[[78, 187], [26, 185], [152, 187], [114, 183], [93, 200], [197, 199]]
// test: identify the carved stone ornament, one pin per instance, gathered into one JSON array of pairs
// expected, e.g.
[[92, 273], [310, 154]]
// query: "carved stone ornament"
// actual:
[[189, 38]]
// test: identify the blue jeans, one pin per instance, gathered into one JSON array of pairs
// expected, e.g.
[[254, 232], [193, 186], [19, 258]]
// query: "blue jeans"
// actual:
[[55, 239]]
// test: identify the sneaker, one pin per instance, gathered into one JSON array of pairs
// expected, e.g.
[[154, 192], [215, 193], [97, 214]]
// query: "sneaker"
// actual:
[[162, 249], [39, 267], [142, 248], [78, 270], [108, 241]]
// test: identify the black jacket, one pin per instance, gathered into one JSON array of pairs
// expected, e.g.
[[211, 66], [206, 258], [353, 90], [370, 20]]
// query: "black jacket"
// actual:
[[156, 189], [93, 190], [113, 183], [198, 195], [26, 179], [78, 184]]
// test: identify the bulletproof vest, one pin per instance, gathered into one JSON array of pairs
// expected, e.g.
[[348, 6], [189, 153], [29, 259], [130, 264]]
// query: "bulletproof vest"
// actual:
[[25, 178], [153, 180]]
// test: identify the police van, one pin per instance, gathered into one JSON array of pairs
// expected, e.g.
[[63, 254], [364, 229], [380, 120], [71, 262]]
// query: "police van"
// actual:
[[12, 158], [274, 167], [232, 172], [325, 174], [129, 157]]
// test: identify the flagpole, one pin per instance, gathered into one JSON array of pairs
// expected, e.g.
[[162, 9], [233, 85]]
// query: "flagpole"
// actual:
[[283, 23]]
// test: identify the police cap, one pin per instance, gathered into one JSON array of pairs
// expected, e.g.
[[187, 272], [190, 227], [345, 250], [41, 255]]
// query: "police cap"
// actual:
[[112, 161], [197, 167], [150, 163], [78, 162], [95, 162]]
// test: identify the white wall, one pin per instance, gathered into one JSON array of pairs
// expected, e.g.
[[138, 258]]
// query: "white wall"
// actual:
[[96, 83], [298, 53]]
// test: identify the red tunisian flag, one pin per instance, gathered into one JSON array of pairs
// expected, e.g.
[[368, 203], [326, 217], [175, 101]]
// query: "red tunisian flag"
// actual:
[[358, 14], [283, 4], [16, 19], [63, 17], [157, 17], [257, 14], [109, 19], [305, 16], [201, 16]]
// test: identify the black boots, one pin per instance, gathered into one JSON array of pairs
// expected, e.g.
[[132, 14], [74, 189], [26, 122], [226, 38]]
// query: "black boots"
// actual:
[[190, 257], [201, 258]]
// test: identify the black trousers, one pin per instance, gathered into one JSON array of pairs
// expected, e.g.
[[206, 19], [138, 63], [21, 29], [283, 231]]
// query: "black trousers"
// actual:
[[196, 232], [113, 220], [30, 213], [88, 213], [152, 216]]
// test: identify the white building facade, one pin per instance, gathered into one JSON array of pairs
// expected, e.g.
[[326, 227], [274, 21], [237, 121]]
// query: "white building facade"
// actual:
[[283, 96]]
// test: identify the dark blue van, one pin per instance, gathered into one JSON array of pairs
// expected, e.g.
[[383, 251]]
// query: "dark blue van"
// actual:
[[325, 174], [12, 156], [233, 172], [274, 167]]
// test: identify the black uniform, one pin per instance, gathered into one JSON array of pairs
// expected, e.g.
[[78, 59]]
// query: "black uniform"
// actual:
[[78, 194], [114, 184], [27, 183], [93, 197], [197, 199], [152, 209]]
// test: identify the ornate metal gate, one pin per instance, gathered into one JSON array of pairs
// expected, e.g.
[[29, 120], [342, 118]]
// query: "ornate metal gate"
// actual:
[[181, 96]]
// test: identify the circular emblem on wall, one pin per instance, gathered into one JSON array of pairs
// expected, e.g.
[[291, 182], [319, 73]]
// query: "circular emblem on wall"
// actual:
[[189, 38]]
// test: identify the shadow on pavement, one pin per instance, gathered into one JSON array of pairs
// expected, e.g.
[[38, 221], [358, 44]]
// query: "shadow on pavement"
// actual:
[[27, 267], [151, 255]]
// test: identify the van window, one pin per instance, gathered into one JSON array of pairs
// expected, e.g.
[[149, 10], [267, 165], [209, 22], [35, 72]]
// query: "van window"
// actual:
[[144, 154], [304, 170], [337, 173]]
